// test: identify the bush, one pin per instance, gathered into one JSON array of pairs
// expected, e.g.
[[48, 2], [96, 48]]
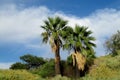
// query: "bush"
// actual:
[[48, 69], [114, 64], [113, 44], [17, 75], [18, 65]]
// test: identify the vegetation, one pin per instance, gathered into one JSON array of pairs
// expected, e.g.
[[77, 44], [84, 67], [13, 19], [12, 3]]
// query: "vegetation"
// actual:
[[32, 61], [18, 65], [29, 62], [104, 68], [113, 44], [17, 75], [47, 70]]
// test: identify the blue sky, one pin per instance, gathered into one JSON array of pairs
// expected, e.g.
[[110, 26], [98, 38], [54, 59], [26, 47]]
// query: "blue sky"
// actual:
[[20, 22]]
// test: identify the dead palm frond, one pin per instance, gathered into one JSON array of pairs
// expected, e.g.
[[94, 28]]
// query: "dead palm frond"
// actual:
[[79, 59]]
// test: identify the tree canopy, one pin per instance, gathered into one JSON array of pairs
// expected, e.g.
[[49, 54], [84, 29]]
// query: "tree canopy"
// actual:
[[28, 62], [19, 65], [32, 61], [113, 44]]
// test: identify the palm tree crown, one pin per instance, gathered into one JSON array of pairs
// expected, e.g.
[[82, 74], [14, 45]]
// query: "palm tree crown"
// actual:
[[79, 39], [53, 28]]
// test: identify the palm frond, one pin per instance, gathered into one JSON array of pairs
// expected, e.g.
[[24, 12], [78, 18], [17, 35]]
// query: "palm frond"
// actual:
[[48, 25], [62, 24], [87, 33], [44, 27], [91, 38], [45, 37], [92, 44], [56, 23], [51, 20]]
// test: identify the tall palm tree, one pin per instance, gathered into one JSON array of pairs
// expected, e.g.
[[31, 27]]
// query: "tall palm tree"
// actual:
[[79, 40], [53, 28]]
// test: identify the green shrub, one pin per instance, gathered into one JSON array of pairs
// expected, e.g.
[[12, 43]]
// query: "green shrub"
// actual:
[[48, 69], [19, 65], [17, 75]]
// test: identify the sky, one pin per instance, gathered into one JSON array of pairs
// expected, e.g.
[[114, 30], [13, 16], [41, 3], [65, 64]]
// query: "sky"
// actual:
[[20, 22]]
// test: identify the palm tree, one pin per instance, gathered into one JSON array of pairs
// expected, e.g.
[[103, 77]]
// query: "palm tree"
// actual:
[[80, 41], [53, 28]]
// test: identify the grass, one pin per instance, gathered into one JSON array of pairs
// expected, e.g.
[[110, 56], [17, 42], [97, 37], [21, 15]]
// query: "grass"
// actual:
[[17, 75], [105, 68]]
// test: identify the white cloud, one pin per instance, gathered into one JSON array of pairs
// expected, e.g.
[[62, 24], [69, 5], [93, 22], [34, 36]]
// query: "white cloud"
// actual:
[[5, 65], [23, 25]]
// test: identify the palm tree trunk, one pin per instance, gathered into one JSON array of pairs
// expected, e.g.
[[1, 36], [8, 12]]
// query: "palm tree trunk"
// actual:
[[57, 62]]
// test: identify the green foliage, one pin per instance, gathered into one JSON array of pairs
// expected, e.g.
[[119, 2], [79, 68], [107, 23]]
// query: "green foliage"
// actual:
[[90, 60], [53, 28], [17, 75], [18, 65], [113, 44], [48, 69], [32, 61], [79, 39]]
